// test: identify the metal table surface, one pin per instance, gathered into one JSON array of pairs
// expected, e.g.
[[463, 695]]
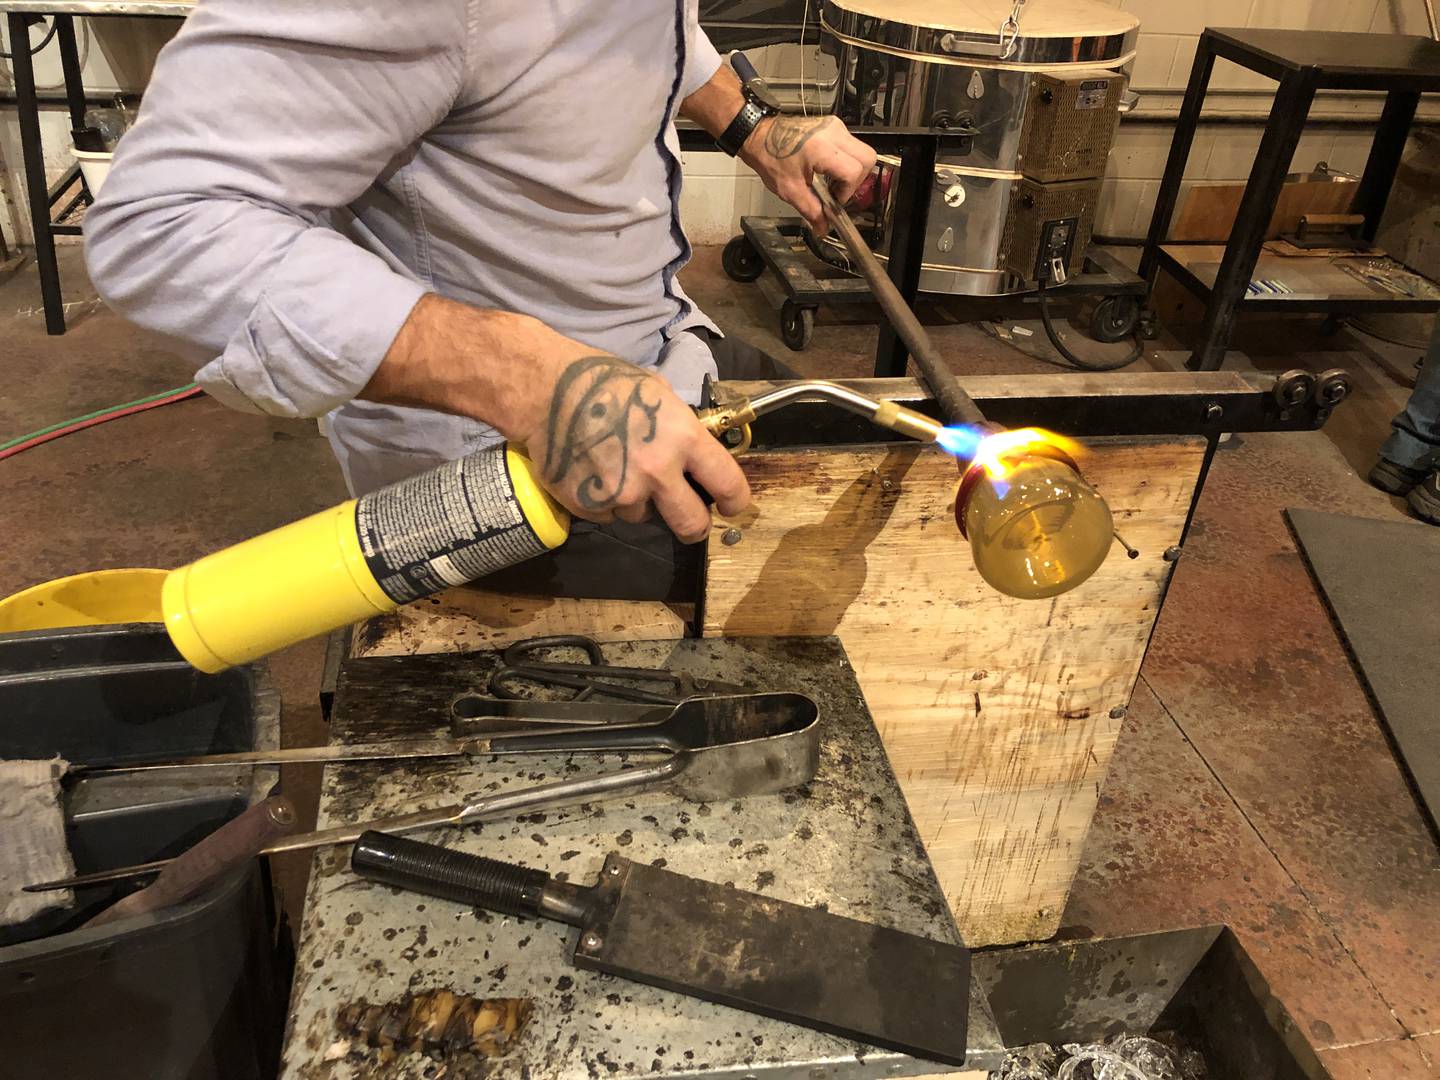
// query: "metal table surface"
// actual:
[[845, 841]]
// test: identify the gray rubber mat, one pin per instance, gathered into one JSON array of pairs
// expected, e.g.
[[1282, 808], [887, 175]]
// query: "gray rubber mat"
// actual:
[[1381, 581]]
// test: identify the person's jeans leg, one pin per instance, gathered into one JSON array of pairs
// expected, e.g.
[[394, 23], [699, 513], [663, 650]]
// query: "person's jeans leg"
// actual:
[[1414, 442]]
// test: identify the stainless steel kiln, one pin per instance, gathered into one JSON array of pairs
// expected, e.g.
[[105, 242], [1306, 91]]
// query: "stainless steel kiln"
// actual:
[[1041, 83]]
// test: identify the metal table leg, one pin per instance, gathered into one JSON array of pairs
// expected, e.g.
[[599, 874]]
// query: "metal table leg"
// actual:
[[1185, 125], [1385, 153], [907, 244], [1262, 191], [70, 65], [36, 189]]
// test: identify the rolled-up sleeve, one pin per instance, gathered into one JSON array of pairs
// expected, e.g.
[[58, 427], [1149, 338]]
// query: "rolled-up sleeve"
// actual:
[[263, 117], [701, 61]]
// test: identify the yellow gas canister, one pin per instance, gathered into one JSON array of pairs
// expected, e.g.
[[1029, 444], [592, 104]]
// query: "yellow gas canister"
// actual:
[[452, 524]]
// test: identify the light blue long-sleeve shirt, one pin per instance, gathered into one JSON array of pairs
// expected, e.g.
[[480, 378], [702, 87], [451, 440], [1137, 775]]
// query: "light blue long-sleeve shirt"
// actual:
[[303, 171]]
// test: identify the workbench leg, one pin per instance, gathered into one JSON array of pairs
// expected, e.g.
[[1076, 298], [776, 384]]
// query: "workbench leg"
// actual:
[[1185, 126], [907, 244], [1384, 160], [70, 66], [37, 191], [74, 91], [1252, 220]]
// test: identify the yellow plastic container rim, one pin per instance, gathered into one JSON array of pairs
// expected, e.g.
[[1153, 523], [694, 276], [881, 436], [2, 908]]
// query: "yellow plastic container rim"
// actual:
[[96, 598]]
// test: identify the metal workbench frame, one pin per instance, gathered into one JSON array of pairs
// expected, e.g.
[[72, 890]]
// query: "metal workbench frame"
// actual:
[[45, 223], [1286, 56], [771, 240]]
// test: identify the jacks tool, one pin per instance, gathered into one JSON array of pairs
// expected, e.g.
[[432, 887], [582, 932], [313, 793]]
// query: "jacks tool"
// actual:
[[718, 943]]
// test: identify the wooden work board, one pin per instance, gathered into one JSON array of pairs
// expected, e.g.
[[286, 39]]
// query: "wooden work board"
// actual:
[[999, 715]]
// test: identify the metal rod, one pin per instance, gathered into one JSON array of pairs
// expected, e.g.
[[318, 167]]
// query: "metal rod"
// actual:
[[301, 755], [955, 403], [1430, 14], [561, 792]]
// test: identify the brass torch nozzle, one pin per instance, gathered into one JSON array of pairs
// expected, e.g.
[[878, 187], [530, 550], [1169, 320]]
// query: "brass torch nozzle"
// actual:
[[887, 414]]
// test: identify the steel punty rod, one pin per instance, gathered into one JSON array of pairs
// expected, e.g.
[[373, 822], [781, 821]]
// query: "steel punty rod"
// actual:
[[955, 403]]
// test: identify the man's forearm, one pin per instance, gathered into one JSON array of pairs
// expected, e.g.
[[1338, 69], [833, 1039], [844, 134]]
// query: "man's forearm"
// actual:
[[715, 104], [471, 362], [611, 439]]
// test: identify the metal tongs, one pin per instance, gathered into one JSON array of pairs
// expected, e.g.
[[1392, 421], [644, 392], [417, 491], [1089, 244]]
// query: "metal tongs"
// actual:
[[709, 749], [471, 715], [526, 661]]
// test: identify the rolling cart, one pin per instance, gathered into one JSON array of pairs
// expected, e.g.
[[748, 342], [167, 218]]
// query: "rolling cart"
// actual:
[[804, 277]]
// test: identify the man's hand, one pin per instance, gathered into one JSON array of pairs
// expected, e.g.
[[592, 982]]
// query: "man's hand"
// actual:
[[615, 440], [788, 150], [611, 439]]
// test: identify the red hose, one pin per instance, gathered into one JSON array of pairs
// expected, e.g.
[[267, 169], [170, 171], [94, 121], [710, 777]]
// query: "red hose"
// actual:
[[81, 425]]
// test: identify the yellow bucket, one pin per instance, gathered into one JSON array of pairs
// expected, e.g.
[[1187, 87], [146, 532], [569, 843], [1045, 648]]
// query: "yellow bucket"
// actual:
[[99, 597]]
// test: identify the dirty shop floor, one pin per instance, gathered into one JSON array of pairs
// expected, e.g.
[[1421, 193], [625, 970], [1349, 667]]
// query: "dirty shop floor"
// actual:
[[1252, 785]]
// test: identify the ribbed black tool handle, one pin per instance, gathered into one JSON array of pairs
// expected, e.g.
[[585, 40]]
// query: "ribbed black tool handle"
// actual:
[[450, 875]]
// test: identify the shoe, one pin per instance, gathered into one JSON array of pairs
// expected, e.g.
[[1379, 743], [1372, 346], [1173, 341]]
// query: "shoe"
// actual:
[[1395, 479], [1424, 499]]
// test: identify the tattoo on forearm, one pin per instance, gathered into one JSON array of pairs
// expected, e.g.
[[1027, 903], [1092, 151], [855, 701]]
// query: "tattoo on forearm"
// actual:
[[600, 404], [788, 134]]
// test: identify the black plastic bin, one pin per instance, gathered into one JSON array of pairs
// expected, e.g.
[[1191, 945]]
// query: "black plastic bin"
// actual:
[[189, 992]]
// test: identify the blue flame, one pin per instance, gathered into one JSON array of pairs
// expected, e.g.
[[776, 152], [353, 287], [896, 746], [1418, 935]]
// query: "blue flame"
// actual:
[[962, 440]]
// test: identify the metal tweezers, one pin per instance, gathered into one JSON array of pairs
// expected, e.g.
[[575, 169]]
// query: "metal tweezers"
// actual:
[[523, 662]]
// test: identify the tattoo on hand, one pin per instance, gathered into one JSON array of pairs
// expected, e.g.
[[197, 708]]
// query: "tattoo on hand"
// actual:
[[788, 134], [600, 403]]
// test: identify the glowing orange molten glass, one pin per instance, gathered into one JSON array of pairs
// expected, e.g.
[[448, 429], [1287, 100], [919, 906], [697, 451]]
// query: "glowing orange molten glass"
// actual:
[[1000, 452]]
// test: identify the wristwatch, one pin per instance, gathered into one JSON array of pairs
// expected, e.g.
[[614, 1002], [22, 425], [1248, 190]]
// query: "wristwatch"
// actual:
[[746, 120]]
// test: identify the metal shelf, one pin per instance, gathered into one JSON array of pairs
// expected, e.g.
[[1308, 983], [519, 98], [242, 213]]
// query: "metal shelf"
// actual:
[[1319, 284]]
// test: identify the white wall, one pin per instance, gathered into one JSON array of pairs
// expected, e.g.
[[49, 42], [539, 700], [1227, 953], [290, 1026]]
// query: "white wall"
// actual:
[[117, 54]]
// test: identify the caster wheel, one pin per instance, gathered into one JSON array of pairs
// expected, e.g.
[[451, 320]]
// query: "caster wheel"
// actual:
[[1114, 318], [1332, 387], [797, 325], [740, 259]]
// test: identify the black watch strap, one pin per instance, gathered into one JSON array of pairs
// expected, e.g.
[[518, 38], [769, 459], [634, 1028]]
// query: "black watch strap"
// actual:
[[746, 120]]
